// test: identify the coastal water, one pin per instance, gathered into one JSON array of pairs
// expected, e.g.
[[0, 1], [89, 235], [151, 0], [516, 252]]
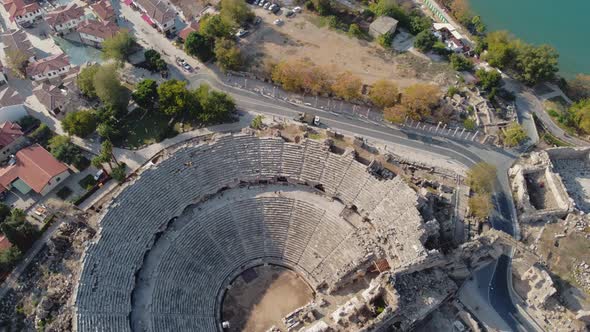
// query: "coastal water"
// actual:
[[562, 24]]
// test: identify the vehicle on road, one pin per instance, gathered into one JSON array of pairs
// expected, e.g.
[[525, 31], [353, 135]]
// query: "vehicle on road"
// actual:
[[278, 21], [297, 10], [257, 20], [308, 118], [187, 67], [290, 13], [180, 62]]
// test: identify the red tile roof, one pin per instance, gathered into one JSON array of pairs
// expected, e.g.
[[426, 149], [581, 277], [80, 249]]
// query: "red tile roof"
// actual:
[[9, 132], [193, 27], [157, 10], [35, 166], [20, 8], [104, 10], [64, 14], [95, 28], [48, 64]]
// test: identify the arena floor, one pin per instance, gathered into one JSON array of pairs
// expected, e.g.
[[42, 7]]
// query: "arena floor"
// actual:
[[270, 293]]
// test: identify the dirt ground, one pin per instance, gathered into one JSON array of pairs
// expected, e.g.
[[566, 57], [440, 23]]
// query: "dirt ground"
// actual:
[[304, 37], [261, 303]]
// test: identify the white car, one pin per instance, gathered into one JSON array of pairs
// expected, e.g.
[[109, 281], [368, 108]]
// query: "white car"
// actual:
[[297, 9], [278, 21]]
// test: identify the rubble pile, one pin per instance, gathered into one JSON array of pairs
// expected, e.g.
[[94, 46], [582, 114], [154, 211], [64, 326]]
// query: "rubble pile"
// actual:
[[581, 274]]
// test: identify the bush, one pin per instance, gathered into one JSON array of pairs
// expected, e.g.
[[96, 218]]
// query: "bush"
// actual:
[[481, 178], [87, 182], [41, 135], [452, 91], [385, 40], [514, 134], [469, 124], [82, 163], [460, 63], [257, 122], [425, 41], [64, 192], [355, 31], [480, 205]]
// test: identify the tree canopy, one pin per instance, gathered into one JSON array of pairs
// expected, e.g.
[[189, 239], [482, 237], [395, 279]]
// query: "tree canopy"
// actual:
[[530, 64], [302, 76], [175, 98], [236, 11], [488, 79], [425, 41], [154, 61], [384, 93], [108, 87], [64, 150], [118, 47], [216, 107], [460, 63], [85, 80], [214, 26], [347, 86], [17, 61], [228, 55], [199, 45], [146, 93], [514, 134], [81, 123]]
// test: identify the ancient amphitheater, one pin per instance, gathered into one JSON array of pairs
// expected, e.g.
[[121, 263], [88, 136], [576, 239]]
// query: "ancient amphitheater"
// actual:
[[172, 240]]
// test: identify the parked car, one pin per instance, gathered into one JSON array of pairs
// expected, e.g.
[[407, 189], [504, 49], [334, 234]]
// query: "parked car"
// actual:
[[261, 3], [275, 9], [257, 20], [278, 22], [266, 5], [290, 13], [297, 9], [271, 7], [180, 62], [241, 33], [187, 67]]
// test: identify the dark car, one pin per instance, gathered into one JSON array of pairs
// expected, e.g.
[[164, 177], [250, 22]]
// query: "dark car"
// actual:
[[290, 13], [275, 9]]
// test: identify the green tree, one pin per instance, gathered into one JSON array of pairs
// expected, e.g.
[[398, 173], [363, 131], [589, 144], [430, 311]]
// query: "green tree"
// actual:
[[228, 55], [514, 134], [146, 94], [109, 89], [214, 26], [425, 41], [481, 178], [347, 86], [488, 80], [41, 135], [81, 123], [384, 93], [460, 63], [469, 124], [536, 64], [501, 49], [105, 155], [119, 174], [236, 11], [19, 231], [580, 113], [85, 80], [480, 205], [174, 97], [17, 61], [392, 9], [217, 107], [118, 47], [419, 23], [64, 150], [198, 45], [478, 24], [108, 130], [154, 61]]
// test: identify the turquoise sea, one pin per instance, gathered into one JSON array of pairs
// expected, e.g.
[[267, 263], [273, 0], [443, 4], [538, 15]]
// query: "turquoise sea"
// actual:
[[563, 24]]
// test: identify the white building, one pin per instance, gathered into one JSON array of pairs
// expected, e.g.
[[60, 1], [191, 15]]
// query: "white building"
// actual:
[[65, 19], [23, 13], [50, 67], [94, 32], [158, 13]]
